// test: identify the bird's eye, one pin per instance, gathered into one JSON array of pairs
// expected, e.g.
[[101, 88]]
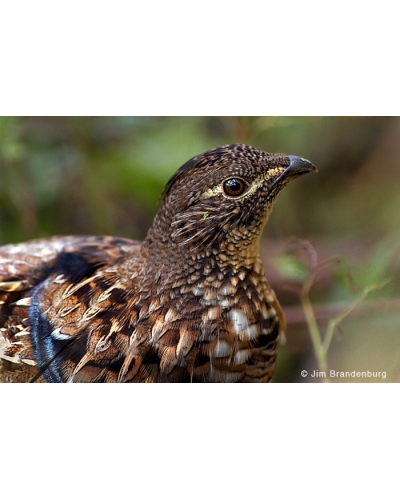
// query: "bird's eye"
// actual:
[[234, 187]]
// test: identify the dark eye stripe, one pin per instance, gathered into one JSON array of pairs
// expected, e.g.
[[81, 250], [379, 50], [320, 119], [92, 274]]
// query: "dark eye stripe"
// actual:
[[234, 187]]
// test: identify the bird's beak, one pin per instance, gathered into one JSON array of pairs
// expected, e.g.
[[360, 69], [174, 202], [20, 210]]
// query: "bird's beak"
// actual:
[[298, 166]]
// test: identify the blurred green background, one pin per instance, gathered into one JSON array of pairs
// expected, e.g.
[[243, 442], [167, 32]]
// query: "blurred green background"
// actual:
[[104, 175]]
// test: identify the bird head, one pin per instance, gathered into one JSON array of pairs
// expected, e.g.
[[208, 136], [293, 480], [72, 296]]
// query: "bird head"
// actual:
[[224, 196]]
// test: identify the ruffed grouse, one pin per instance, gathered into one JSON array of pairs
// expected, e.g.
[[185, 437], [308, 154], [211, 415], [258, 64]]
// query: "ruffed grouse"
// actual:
[[188, 304]]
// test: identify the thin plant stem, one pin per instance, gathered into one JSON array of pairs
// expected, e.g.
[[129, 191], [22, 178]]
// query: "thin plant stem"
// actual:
[[315, 334], [334, 322], [320, 346]]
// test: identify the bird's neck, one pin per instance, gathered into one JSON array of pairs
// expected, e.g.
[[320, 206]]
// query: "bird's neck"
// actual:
[[168, 258], [237, 250]]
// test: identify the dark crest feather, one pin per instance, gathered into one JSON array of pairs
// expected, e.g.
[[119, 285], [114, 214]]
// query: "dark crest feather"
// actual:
[[207, 158]]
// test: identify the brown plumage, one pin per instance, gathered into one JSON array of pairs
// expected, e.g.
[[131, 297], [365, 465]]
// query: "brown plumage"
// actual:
[[189, 303]]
